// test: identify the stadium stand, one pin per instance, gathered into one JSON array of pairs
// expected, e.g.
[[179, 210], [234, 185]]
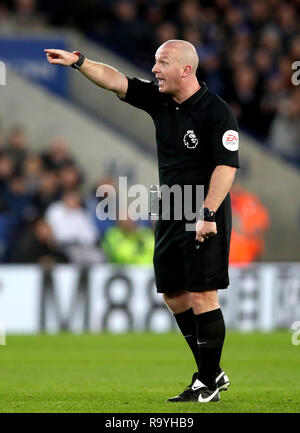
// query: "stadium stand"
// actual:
[[245, 48]]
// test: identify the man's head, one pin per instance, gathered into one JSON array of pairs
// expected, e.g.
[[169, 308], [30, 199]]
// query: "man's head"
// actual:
[[72, 199], [175, 66]]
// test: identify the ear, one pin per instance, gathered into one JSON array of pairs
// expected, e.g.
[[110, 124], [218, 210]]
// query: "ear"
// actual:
[[186, 71]]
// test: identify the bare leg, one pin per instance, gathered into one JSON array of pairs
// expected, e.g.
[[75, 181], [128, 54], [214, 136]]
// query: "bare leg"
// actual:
[[204, 301], [180, 305], [178, 302]]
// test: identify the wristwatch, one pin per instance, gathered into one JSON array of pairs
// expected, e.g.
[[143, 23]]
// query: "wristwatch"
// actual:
[[81, 58], [207, 215]]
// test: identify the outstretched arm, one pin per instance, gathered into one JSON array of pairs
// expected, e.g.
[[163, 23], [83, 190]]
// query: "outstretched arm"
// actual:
[[102, 75]]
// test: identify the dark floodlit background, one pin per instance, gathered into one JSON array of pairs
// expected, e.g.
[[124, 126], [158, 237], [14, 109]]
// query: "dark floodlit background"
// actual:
[[61, 137]]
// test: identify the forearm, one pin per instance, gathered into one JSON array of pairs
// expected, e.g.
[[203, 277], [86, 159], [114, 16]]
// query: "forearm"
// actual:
[[220, 184], [104, 76]]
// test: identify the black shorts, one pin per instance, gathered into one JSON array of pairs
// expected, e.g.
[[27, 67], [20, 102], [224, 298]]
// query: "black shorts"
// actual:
[[179, 265]]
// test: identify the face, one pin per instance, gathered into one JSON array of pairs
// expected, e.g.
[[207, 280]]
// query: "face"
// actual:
[[43, 231], [168, 70], [72, 200]]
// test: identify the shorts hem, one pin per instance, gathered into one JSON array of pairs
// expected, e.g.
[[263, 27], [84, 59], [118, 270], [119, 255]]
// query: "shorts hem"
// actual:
[[196, 288], [207, 288], [173, 290]]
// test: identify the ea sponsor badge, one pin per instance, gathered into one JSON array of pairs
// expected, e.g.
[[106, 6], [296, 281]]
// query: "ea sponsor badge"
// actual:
[[230, 140]]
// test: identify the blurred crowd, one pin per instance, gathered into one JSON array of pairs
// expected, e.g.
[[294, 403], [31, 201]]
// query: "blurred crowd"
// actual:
[[46, 217], [246, 49]]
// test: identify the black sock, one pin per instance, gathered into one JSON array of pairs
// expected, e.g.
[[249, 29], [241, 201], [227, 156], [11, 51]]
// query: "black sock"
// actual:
[[210, 338], [186, 324]]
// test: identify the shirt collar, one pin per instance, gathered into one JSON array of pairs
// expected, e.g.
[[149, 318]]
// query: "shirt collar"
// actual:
[[192, 100]]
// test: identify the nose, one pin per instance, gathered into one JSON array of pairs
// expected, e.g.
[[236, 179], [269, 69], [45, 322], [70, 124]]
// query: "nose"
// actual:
[[155, 69]]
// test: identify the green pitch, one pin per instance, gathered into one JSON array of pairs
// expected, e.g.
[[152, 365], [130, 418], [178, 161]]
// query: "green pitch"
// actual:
[[137, 372]]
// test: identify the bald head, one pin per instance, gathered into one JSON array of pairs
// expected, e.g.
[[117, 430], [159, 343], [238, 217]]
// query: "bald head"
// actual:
[[184, 51], [175, 69]]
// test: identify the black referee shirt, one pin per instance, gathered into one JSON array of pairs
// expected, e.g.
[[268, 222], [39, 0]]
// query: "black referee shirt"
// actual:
[[192, 137]]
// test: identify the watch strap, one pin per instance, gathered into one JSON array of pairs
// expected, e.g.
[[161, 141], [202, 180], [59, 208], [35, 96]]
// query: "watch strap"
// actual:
[[207, 215], [79, 63]]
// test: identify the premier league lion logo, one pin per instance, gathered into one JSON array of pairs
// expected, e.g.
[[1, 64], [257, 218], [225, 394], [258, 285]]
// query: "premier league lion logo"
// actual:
[[190, 140]]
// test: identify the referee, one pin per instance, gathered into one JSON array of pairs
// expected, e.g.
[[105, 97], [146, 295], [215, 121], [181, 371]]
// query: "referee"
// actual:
[[197, 144]]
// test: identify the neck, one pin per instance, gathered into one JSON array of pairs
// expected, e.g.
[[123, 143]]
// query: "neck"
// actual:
[[186, 92]]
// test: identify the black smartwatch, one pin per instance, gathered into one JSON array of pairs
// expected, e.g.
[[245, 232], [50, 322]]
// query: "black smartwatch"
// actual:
[[81, 58], [208, 215]]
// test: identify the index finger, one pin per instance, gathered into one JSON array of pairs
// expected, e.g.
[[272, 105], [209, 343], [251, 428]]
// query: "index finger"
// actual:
[[51, 50]]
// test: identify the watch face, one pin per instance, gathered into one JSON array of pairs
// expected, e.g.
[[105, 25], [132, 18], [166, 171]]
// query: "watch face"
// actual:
[[207, 214]]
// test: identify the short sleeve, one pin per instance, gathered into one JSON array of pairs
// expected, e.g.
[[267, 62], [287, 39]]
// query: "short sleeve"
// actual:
[[224, 135], [142, 94]]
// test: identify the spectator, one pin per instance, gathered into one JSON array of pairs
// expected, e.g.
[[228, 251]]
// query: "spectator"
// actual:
[[270, 41], [259, 14], [127, 31], [294, 51], [244, 99], [250, 222], [128, 243], [189, 14], [16, 147], [287, 21], [263, 63], [7, 169], [210, 66], [17, 199], [7, 219], [48, 191], [70, 177], [37, 245], [6, 21], [58, 156], [284, 135], [272, 93], [6, 230], [26, 15], [234, 21], [165, 32], [73, 229], [97, 213], [32, 170]]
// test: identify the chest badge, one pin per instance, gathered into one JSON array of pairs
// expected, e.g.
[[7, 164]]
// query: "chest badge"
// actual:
[[190, 140]]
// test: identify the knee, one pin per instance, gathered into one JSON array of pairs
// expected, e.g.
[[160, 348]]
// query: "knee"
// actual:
[[178, 302], [204, 301], [174, 295]]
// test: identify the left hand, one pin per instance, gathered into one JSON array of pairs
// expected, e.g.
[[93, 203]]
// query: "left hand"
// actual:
[[204, 230]]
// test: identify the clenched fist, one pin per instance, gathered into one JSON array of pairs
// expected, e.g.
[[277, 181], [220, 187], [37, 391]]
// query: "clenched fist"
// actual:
[[205, 229]]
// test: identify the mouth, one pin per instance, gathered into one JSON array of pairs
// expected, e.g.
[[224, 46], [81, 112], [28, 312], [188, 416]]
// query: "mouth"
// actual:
[[160, 81]]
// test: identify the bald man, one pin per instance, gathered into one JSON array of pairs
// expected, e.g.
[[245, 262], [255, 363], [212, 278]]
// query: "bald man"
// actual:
[[197, 144]]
